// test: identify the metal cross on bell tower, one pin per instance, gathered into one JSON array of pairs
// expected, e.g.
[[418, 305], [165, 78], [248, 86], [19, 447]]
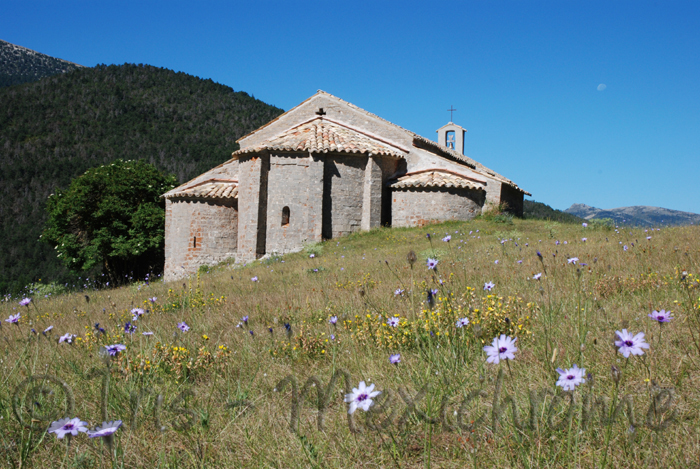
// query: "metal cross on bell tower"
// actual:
[[451, 110]]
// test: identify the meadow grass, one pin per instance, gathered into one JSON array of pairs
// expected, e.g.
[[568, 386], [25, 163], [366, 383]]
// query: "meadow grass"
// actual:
[[268, 391]]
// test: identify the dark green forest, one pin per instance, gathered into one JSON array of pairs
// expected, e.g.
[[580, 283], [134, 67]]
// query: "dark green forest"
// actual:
[[55, 129], [539, 211]]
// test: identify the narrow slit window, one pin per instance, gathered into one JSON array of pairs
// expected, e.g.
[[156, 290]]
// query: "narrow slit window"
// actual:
[[285, 216], [194, 242]]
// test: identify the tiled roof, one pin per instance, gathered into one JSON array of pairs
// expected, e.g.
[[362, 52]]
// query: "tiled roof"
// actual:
[[209, 189], [322, 136], [436, 178]]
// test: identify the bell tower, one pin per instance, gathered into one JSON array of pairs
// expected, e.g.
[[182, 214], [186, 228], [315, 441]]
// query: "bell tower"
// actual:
[[451, 135]]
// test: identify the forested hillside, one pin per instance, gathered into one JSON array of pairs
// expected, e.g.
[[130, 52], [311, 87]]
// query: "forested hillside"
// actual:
[[54, 129], [539, 211]]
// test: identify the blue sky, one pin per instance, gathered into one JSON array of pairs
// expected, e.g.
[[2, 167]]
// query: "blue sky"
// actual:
[[523, 75]]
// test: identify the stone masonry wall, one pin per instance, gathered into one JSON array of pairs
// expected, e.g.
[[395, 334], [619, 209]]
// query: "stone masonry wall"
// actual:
[[292, 183], [252, 170], [344, 181], [416, 207], [198, 232]]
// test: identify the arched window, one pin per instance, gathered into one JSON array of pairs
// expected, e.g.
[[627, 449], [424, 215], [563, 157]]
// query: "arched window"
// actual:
[[285, 216]]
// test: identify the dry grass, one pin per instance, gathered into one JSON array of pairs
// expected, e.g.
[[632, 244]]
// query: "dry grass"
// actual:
[[219, 406]]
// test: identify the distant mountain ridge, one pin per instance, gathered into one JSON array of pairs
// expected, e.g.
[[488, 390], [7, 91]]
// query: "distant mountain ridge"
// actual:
[[638, 215], [21, 65]]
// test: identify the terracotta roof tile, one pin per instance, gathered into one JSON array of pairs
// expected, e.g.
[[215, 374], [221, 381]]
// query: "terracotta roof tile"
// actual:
[[436, 178], [322, 136], [209, 189]]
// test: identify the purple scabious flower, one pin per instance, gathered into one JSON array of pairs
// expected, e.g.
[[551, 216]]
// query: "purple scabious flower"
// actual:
[[106, 429], [129, 328], [47, 330], [432, 263], [572, 260], [399, 291], [496, 261], [537, 276], [67, 426], [183, 326], [361, 397], [661, 316], [252, 333], [393, 321], [254, 279], [333, 320], [25, 302], [584, 224], [489, 286], [569, 379], [395, 358], [502, 348], [113, 350], [99, 329], [447, 238], [629, 344], [245, 320], [520, 261], [464, 322], [137, 313], [152, 300], [13, 319], [584, 240], [434, 291], [147, 333], [68, 337], [311, 256], [539, 254], [625, 247]]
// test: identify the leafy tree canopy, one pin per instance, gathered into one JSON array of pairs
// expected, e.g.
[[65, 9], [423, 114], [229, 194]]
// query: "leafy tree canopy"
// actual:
[[111, 218]]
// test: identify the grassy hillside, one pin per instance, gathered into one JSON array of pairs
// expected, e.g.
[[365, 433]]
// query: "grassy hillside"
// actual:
[[53, 130], [239, 387]]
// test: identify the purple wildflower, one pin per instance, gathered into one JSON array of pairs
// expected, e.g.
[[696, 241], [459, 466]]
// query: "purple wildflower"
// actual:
[[629, 344], [393, 321], [254, 279], [489, 286], [569, 379], [333, 320], [537, 276], [432, 263], [68, 337], [447, 238], [661, 316], [361, 397], [183, 326], [129, 328], [66, 426], [464, 322], [502, 348], [395, 359], [25, 302], [113, 350], [13, 319], [106, 429]]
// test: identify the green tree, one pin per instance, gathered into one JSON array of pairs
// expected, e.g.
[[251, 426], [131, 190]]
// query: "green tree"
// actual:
[[111, 219]]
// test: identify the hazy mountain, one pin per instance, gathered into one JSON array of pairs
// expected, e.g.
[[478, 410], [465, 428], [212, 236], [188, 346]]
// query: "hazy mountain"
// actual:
[[21, 65], [639, 215], [54, 129]]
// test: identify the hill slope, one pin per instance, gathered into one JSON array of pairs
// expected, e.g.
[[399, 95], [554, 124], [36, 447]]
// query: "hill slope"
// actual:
[[56, 128], [638, 215], [21, 65], [538, 211]]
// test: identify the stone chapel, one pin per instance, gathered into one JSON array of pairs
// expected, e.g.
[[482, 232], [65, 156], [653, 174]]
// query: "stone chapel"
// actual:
[[321, 170]]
